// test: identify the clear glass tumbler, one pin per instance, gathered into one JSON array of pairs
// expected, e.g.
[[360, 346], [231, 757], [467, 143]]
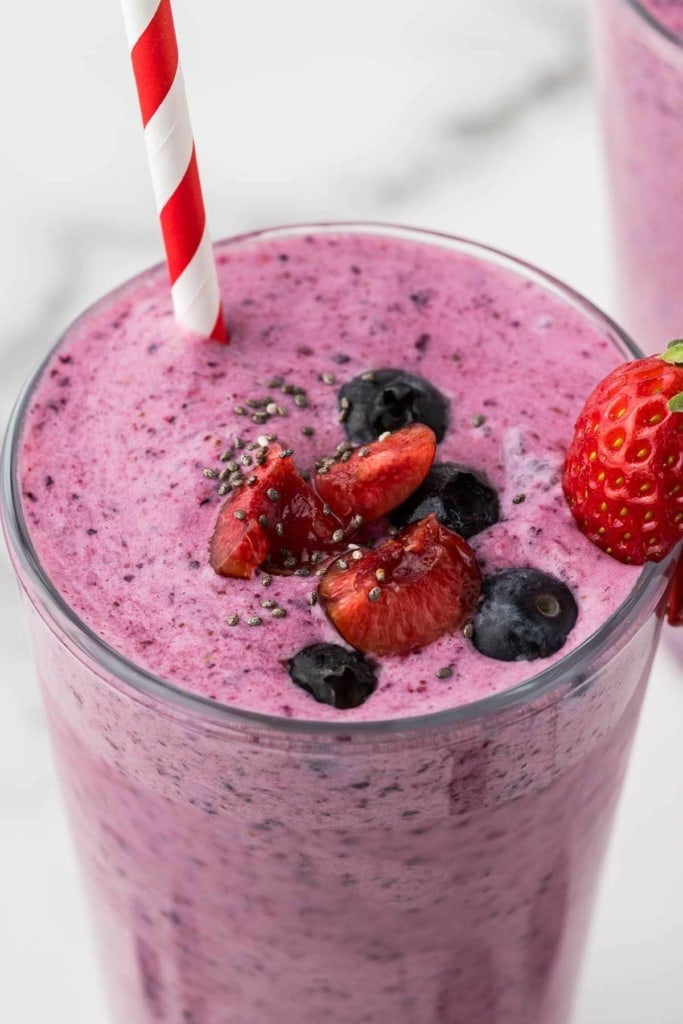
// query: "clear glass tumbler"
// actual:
[[243, 869], [638, 61]]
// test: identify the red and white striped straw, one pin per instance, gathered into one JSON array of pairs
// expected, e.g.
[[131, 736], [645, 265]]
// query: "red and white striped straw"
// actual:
[[173, 166]]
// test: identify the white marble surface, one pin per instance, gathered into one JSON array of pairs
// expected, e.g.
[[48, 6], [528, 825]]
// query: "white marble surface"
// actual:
[[472, 117]]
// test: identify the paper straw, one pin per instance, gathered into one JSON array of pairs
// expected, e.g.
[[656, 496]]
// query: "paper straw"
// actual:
[[173, 166]]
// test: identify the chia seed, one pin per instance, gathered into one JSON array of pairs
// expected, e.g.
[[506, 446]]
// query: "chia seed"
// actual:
[[518, 499], [246, 460], [468, 631], [307, 431], [374, 594], [444, 673], [210, 474], [240, 514], [239, 410], [254, 620], [272, 494], [301, 401], [328, 378], [263, 521], [313, 598], [279, 613], [266, 580], [233, 620], [337, 536], [268, 604]]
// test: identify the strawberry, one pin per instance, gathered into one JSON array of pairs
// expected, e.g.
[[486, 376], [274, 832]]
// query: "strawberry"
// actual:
[[623, 474], [675, 605], [277, 518], [379, 476], [404, 594]]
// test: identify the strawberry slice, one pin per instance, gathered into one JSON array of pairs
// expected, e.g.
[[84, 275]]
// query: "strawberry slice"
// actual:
[[406, 593], [277, 519], [379, 476], [675, 606]]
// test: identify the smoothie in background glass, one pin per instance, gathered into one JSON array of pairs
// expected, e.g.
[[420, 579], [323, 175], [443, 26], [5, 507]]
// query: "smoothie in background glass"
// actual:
[[252, 855], [638, 56]]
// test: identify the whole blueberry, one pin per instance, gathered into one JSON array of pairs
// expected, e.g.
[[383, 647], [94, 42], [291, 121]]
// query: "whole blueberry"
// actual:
[[459, 497], [333, 675], [524, 614], [388, 399]]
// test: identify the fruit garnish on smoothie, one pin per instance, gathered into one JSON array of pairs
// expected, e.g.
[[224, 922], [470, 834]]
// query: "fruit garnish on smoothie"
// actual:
[[623, 474], [412, 578]]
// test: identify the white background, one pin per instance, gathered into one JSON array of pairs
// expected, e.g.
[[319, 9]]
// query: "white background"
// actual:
[[470, 116]]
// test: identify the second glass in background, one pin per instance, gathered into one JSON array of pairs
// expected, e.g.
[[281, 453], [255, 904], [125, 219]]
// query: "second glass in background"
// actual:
[[638, 56]]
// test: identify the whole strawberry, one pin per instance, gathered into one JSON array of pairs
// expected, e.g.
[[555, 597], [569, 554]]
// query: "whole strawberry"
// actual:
[[623, 474]]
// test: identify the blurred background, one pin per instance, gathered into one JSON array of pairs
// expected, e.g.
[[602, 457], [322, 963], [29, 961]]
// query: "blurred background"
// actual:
[[474, 118]]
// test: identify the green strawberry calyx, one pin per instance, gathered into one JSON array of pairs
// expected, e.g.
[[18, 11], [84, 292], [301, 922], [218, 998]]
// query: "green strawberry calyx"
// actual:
[[674, 352], [674, 355]]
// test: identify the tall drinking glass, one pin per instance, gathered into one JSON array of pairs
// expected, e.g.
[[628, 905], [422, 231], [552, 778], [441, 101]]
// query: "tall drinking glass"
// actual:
[[246, 869], [638, 57]]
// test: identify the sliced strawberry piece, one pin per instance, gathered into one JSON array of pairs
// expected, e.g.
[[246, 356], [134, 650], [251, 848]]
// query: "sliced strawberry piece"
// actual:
[[379, 476], [277, 519], [675, 606], [406, 593]]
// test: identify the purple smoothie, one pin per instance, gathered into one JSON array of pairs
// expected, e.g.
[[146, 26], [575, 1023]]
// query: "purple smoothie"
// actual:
[[638, 50], [121, 517], [245, 869]]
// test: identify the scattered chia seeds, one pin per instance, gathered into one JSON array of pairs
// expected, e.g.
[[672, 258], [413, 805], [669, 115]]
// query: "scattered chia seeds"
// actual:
[[444, 673], [364, 452], [266, 579], [274, 382], [357, 555], [307, 431], [254, 620], [272, 409], [279, 613], [301, 401], [479, 420], [239, 410], [272, 494], [263, 521], [374, 594], [337, 536], [356, 522], [313, 598], [224, 489], [210, 474], [380, 575], [518, 499], [468, 631], [246, 460], [268, 604], [233, 620], [328, 378], [303, 571], [240, 514]]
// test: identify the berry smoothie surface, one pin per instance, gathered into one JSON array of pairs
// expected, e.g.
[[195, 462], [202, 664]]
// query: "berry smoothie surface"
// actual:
[[130, 413]]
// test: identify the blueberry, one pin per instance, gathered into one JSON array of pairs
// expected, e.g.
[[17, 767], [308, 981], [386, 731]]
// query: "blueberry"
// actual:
[[525, 614], [460, 498], [388, 399], [333, 675]]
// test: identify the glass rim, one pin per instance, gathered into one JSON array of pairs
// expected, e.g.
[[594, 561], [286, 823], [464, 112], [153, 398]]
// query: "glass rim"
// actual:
[[654, 22], [147, 684]]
